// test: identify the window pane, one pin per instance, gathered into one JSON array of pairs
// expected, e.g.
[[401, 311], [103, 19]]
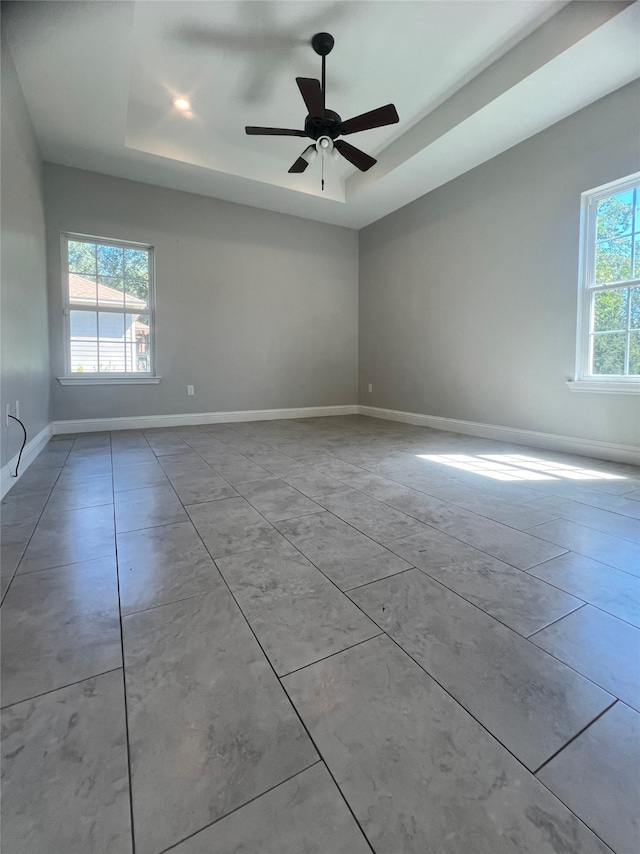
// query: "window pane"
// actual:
[[82, 257], [608, 352], [610, 310], [82, 289], [138, 343], [136, 262], [110, 260], [636, 253], [136, 277], [615, 215], [613, 261], [110, 291], [84, 341], [634, 354], [111, 342], [136, 292], [635, 308]]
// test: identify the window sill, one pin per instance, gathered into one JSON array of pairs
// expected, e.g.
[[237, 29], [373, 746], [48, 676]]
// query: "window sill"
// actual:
[[605, 386], [109, 380]]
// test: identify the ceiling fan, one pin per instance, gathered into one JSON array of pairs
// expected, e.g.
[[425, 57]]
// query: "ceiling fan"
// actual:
[[324, 126]]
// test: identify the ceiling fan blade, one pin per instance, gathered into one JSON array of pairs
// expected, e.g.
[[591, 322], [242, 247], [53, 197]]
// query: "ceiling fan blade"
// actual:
[[354, 155], [254, 131], [311, 92], [387, 115], [299, 166], [303, 161]]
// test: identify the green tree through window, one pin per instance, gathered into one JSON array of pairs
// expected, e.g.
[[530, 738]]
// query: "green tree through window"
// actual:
[[613, 281]]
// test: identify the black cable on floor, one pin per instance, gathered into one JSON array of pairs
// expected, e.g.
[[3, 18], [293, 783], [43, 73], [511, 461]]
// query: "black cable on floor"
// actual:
[[24, 442]]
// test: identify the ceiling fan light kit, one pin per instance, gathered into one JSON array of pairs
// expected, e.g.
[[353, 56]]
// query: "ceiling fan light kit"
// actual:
[[309, 154], [324, 126]]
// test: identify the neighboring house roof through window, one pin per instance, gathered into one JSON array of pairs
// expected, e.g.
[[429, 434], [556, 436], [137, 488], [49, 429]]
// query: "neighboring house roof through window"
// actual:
[[82, 290]]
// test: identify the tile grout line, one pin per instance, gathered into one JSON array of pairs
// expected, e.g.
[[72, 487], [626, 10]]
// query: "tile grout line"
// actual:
[[375, 580], [64, 565], [326, 765], [571, 740], [318, 761], [588, 557], [553, 623], [61, 687], [15, 572], [124, 679], [561, 518], [594, 606], [623, 541], [331, 654], [570, 667], [585, 504], [171, 602]]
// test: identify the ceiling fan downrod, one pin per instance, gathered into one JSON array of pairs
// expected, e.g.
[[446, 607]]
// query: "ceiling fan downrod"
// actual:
[[323, 43]]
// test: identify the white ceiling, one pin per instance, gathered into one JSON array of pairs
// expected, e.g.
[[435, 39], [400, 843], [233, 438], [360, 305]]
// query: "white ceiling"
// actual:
[[469, 78]]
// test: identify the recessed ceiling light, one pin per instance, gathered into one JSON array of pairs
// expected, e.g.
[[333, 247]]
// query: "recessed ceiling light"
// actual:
[[181, 103]]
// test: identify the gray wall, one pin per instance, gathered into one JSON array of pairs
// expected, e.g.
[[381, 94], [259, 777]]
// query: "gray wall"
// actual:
[[23, 297], [258, 310], [468, 295]]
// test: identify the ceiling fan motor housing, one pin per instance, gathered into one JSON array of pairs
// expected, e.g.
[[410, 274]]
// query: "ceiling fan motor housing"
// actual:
[[327, 125]]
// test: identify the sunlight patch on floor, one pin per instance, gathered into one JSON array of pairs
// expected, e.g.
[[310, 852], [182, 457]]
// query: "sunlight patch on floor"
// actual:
[[517, 467]]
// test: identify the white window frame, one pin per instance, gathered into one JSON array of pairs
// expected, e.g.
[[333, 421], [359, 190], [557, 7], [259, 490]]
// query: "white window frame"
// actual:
[[584, 380], [106, 378]]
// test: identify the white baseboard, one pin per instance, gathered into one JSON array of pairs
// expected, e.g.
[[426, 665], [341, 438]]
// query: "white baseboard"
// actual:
[[142, 422], [550, 441], [31, 451]]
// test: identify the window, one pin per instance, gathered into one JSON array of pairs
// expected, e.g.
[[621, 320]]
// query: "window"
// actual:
[[609, 304], [108, 306]]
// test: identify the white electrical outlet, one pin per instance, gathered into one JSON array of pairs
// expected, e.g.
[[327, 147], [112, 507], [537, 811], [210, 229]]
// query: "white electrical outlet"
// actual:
[[370, 387], [190, 390], [7, 413]]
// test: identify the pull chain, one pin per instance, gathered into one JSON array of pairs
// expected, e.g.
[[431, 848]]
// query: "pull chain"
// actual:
[[323, 170]]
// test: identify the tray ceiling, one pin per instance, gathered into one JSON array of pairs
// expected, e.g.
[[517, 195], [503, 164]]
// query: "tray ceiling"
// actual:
[[469, 79]]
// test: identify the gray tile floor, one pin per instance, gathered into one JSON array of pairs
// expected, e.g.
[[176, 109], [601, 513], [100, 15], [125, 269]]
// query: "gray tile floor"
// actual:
[[333, 635]]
